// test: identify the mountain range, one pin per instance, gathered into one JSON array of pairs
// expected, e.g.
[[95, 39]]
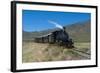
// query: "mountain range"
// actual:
[[79, 32]]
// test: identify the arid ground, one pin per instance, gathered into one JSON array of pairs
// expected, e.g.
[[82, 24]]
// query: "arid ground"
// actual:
[[42, 52]]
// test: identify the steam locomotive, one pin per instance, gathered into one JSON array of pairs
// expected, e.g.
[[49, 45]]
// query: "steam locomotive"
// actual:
[[60, 37]]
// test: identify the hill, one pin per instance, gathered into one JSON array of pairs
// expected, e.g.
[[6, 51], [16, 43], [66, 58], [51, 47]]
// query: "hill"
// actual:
[[79, 32]]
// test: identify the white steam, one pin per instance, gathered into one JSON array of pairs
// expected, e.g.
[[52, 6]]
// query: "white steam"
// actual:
[[56, 24]]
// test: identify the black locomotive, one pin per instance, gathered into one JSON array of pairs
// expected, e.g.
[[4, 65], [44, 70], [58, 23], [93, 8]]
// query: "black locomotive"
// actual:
[[60, 37]]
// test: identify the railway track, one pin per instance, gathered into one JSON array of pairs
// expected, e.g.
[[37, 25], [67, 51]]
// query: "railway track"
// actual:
[[82, 53]]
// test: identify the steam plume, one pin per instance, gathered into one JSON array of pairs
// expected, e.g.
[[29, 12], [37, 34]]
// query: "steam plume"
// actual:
[[56, 24]]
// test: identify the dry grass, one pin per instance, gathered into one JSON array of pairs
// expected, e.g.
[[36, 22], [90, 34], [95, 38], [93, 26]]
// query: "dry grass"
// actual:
[[40, 52]]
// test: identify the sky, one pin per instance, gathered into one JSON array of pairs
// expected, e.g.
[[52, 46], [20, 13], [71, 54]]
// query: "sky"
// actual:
[[35, 20]]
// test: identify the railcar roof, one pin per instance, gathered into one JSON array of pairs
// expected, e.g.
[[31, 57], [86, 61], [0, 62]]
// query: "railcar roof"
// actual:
[[49, 33], [44, 35]]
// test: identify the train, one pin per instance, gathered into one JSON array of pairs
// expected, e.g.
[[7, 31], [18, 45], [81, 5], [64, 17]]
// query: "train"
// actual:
[[60, 37]]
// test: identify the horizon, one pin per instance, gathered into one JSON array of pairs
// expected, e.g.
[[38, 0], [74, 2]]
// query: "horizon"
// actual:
[[59, 28], [35, 20]]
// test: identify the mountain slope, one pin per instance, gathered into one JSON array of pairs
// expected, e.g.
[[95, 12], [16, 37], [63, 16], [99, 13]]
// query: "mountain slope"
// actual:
[[79, 32]]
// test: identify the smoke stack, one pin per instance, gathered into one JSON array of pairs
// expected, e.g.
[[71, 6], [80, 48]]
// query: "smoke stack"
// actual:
[[64, 28]]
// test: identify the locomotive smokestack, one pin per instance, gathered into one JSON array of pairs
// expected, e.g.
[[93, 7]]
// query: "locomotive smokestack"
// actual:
[[64, 28]]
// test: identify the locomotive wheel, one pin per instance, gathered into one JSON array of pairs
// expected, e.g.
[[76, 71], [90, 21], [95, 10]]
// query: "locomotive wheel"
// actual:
[[70, 45]]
